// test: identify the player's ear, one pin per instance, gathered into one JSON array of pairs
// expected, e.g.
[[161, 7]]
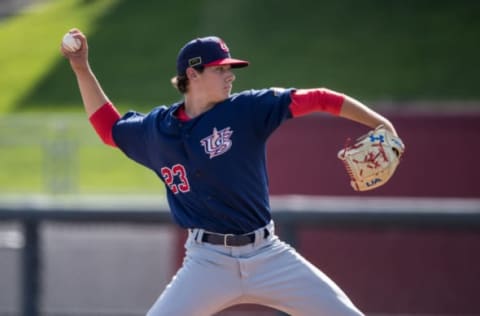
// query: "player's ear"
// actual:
[[191, 73]]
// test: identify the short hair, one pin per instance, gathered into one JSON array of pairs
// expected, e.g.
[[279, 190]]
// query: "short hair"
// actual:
[[180, 82]]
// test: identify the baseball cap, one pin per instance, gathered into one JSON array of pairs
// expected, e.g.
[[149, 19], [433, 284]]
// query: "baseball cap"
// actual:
[[206, 51]]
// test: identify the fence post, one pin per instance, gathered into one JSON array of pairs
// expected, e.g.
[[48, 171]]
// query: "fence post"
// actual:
[[30, 298], [60, 165]]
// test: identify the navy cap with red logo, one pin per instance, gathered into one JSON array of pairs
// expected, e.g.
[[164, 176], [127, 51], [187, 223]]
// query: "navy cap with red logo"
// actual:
[[206, 51]]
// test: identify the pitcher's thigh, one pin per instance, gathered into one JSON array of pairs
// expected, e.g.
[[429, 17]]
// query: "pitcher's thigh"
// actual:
[[198, 289], [299, 288]]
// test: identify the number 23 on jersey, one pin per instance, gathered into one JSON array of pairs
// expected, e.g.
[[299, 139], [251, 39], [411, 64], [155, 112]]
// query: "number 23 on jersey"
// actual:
[[176, 178]]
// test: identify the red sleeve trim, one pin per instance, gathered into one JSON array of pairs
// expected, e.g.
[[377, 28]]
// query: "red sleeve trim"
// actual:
[[305, 101], [103, 120]]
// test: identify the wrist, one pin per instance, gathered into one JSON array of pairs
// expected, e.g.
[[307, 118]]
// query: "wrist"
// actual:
[[80, 67]]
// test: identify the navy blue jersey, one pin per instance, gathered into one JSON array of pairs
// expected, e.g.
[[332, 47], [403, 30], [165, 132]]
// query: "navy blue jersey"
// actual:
[[214, 165]]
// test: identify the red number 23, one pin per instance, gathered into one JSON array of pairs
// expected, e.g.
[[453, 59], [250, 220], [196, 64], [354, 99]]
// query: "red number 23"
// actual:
[[169, 175]]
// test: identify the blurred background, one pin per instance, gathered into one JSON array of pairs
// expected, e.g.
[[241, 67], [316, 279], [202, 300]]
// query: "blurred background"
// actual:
[[411, 247]]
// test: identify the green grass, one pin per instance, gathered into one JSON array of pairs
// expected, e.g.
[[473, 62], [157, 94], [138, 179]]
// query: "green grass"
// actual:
[[31, 41], [60, 154], [105, 169], [374, 50], [21, 169], [91, 169]]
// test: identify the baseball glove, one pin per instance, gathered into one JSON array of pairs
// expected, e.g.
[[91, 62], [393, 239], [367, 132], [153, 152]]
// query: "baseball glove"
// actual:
[[372, 159]]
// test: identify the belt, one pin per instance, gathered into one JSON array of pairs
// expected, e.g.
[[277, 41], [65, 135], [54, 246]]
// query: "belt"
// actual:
[[231, 240]]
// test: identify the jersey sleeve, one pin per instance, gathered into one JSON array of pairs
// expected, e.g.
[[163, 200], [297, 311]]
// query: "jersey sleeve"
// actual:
[[129, 134], [270, 109], [103, 120], [306, 101]]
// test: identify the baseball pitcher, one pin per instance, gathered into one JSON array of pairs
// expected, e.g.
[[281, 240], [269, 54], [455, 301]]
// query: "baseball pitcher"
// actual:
[[209, 151]]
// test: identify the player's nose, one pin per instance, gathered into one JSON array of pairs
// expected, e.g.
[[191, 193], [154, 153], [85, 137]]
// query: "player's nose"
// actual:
[[230, 76]]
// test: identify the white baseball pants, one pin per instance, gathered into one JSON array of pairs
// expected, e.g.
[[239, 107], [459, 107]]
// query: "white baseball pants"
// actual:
[[267, 272]]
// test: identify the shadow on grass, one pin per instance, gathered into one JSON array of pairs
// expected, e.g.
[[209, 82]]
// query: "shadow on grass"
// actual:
[[132, 51], [372, 50]]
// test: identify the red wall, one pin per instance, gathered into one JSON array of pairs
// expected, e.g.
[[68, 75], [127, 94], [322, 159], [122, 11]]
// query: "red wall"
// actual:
[[400, 271], [441, 159]]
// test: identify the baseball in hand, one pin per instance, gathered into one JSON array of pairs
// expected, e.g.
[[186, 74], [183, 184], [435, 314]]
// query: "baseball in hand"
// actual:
[[71, 43]]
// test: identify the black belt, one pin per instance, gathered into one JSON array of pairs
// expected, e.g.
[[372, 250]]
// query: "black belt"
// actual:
[[230, 240]]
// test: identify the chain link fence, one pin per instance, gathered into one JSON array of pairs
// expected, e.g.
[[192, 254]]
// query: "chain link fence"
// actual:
[[60, 154], [39, 152]]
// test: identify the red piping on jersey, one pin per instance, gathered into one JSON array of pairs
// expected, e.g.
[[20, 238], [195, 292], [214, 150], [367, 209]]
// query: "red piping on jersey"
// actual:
[[103, 120], [305, 101], [182, 114]]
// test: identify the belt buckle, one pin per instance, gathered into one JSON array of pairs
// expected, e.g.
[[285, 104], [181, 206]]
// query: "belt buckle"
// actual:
[[225, 239]]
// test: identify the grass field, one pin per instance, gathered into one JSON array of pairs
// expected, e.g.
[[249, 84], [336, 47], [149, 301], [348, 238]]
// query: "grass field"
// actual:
[[374, 50], [30, 48], [60, 154]]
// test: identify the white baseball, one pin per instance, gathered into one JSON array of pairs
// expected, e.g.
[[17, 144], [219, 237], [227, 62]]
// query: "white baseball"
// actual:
[[71, 43]]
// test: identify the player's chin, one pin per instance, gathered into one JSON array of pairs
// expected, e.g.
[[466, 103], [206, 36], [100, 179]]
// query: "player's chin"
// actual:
[[222, 95], [227, 90]]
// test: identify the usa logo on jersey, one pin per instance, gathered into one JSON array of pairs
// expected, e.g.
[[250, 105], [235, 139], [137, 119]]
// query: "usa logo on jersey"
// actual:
[[218, 143]]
